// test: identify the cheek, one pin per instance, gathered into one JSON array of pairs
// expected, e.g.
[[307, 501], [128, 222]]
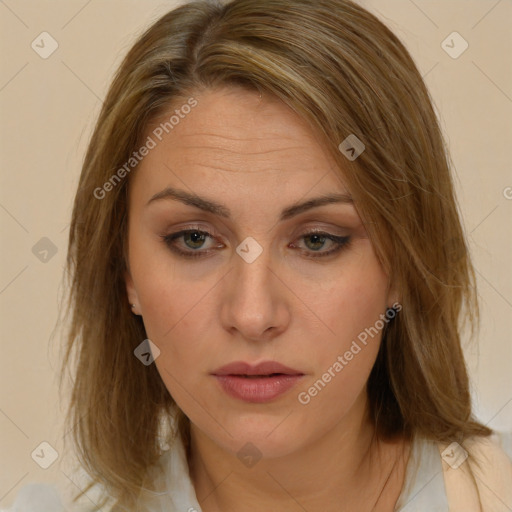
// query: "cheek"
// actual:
[[353, 302], [168, 297], [172, 312], [174, 306], [352, 308]]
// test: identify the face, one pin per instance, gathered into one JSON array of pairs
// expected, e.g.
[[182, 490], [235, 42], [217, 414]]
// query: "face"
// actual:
[[233, 272]]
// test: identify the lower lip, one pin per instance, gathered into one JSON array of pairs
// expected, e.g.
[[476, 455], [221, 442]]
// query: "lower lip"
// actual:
[[258, 389]]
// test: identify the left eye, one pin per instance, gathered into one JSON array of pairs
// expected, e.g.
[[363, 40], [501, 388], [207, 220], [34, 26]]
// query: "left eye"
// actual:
[[319, 238], [194, 239]]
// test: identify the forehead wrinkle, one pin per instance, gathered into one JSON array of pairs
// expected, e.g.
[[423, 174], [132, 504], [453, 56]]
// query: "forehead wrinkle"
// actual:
[[238, 170], [240, 149], [288, 148], [273, 136]]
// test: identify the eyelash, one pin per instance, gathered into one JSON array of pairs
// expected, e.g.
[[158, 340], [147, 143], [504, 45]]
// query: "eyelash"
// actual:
[[341, 241]]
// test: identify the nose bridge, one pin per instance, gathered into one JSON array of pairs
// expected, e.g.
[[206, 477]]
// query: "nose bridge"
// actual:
[[255, 303], [253, 269]]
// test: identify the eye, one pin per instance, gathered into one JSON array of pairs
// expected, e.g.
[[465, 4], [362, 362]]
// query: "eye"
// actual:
[[194, 241], [317, 242], [193, 238]]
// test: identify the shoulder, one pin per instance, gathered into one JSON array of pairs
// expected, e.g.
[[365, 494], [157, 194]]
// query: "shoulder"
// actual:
[[479, 472], [36, 497], [45, 497]]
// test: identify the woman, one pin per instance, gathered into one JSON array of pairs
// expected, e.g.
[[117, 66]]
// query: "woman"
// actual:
[[269, 273]]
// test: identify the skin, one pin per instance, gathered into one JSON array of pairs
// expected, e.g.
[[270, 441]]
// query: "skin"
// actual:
[[257, 157]]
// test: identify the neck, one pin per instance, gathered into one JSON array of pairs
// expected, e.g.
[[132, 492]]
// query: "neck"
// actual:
[[346, 468]]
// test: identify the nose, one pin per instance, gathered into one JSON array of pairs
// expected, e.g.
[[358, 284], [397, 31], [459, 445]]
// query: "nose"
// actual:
[[256, 302]]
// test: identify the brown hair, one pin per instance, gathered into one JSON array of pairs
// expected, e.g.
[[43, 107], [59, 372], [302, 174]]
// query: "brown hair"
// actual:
[[344, 72]]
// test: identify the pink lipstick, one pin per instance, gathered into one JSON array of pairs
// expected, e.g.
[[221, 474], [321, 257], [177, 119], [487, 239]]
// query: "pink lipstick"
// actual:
[[258, 383]]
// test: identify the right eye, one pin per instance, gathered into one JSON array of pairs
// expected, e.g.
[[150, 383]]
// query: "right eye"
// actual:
[[194, 240]]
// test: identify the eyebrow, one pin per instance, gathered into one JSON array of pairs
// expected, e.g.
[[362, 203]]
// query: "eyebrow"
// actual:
[[207, 205]]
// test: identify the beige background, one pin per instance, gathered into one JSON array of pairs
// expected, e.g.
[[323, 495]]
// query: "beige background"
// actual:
[[48, 108]]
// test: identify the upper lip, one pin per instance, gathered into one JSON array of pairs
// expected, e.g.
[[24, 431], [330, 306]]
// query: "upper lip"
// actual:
[[263, 368]]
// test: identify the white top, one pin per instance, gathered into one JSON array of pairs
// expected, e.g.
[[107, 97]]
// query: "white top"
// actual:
[[424, 490]]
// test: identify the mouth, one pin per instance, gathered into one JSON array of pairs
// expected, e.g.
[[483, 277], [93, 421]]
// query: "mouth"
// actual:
[[259, 383], [260, 370], [257, 376]]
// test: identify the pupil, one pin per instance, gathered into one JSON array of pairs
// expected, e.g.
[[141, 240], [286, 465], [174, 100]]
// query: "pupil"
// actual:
[[196, 237], [318, 239]]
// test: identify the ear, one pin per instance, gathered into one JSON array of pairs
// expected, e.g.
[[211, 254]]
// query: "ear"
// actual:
[[133, 298]]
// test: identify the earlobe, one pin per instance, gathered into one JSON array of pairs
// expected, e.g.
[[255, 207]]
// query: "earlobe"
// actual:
[[131, 293]]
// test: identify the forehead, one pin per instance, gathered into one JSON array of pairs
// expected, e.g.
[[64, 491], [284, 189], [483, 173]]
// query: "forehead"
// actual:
[[233, 140]]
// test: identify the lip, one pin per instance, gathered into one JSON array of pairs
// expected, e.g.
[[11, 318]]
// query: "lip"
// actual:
[[258, 383], [263, 368]]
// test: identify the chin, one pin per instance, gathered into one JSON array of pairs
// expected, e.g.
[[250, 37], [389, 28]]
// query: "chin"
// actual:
[[265, 434]]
